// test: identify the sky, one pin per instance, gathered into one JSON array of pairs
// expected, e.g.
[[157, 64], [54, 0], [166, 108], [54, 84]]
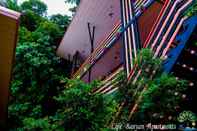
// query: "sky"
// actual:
[[55, 7]]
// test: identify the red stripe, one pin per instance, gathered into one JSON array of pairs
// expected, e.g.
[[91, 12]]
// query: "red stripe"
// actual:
[[155, 24], [132, 72]]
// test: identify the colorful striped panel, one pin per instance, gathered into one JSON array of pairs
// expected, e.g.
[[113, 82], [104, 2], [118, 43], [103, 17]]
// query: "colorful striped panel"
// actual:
[[184, 6], [156, 24], [131, 36], [171, 28], [183, 38], [176, 14], [108, 85], [165, 20], [105, 44], [109, 62]]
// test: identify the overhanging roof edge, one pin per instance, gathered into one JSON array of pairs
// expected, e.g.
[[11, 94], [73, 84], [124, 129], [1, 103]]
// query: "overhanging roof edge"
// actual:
[[9, 13]]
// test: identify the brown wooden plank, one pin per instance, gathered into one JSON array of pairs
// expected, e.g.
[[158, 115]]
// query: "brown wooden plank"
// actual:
[[8, 38]]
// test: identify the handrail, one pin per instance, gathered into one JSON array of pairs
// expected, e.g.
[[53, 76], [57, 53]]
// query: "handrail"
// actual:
[[145, 88], [130, 43], [107, 84], [109, 79], [169, 28], [164, 8], [178, 13], [140, 97], [156, 24], [127, 38], [165, 22], [108, 38], [183, 38], [99, 47], [96, 52], [173, 37], [171, 25]]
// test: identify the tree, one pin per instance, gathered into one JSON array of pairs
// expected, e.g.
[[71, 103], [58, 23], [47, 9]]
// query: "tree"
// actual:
[[192, 10], [41, 95], [62, 21], [161, 101], [83, 109], [35, 78], [158, 96], [77, 109], [24, 35], [30, 20], [37, 72], [36, 6], [74, 1], [48, 28], [11, 4]]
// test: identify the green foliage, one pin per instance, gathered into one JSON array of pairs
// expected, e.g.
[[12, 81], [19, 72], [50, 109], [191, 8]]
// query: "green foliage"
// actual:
[[36, 6], [30, 20], [47, 28], [42, 97], [158, 100], [164, 93], [36, 124], [35, 80], [192, 10], [37, 73], [73, 1], [24, 35], [76, 3], [12, 4], [82, 109], [147, 64], [62, 21], [124, 92], [78, 108], [146, 59]]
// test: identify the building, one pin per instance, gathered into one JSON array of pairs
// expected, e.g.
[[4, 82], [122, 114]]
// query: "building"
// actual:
[[9, 22], [105, 37], [104, 24]]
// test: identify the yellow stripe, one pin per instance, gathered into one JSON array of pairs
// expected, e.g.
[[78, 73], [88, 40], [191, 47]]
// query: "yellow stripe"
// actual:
[[139, 3]]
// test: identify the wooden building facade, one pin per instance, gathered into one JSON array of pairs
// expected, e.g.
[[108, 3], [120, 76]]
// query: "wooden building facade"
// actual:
[[9, 22]]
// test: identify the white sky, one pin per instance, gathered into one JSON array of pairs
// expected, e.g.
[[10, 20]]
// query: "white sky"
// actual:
[[55, 6]]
